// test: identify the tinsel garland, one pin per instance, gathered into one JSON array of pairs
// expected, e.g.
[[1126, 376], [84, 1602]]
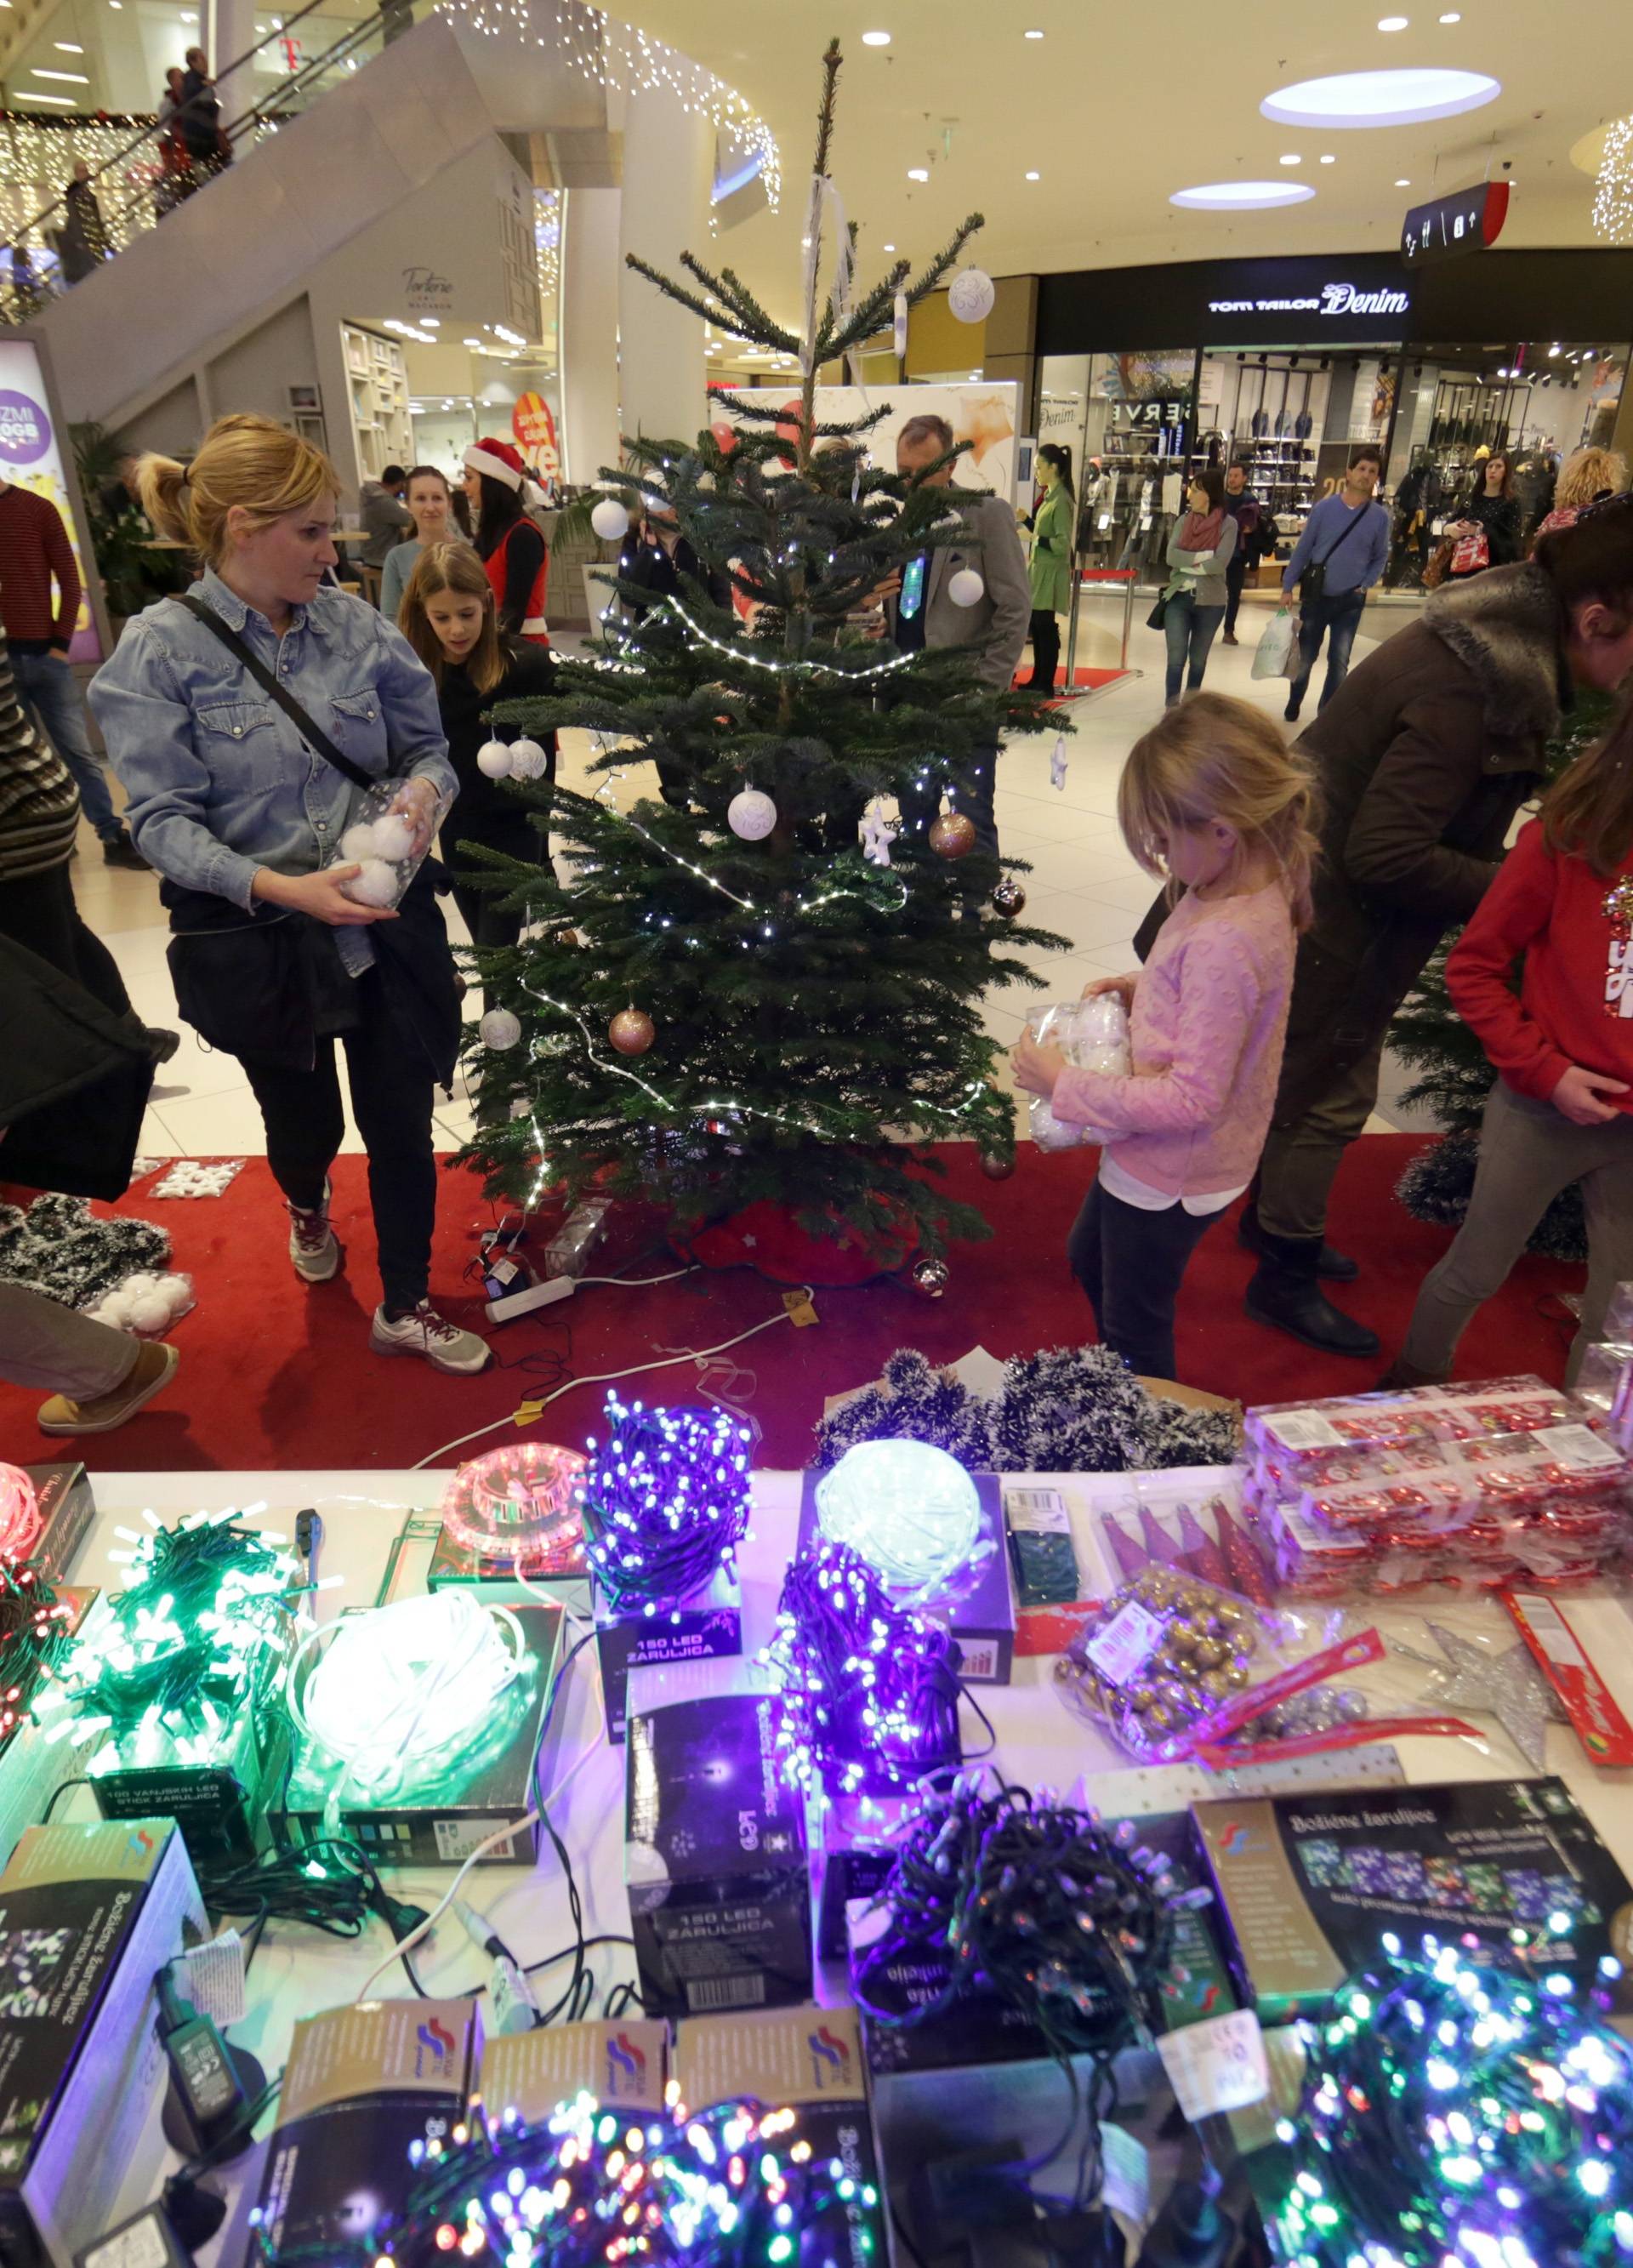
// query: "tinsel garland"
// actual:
[[59, 1248], [1456, 2116], [1439, 1180], [1068, 1410], [594, 2186]]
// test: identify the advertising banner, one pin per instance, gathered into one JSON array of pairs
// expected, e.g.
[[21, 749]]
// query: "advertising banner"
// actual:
[[980, 413], [30, 457]]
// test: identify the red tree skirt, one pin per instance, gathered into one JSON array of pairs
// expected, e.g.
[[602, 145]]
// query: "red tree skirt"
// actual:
[[767, 1238]]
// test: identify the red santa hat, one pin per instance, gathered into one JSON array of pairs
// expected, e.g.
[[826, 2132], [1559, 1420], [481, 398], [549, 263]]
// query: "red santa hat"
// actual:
[[501, 461]]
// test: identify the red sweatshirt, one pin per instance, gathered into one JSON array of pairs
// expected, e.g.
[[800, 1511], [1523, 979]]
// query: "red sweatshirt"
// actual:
[[1576, 1004], [34, 548]]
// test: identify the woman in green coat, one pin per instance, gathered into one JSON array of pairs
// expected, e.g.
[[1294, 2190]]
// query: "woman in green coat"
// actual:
[[1054, 531]]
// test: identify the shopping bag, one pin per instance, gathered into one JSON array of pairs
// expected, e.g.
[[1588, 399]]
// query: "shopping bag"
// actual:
[[1472, 553], [1278, 645]]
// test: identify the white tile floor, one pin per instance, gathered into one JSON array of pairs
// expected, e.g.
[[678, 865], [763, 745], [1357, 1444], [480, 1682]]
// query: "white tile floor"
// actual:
[[1082, 885]]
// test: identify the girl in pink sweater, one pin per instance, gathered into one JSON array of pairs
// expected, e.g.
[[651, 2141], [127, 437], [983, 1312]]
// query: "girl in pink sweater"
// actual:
[[1213, 799]]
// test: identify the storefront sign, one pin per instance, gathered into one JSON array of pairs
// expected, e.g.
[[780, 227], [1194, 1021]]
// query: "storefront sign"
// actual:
[[534, 424], [1332, 299], [425, 292], [1466, 222]]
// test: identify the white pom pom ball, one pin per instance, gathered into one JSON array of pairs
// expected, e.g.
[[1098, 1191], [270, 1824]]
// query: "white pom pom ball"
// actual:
[[500, 1027], [117, 1309], [177, 1290], [610, 520], [751, 814], [965, 587], [150, 1313], [358, 843], [139, 1286], [375, 886], [528, 759], [393, 837], [970, 294]]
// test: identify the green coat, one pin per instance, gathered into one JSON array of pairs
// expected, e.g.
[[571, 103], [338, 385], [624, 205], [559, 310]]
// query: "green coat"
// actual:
[[1052, 532]]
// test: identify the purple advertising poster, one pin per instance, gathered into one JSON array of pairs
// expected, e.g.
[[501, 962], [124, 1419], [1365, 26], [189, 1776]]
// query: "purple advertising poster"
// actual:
[[30, 457]]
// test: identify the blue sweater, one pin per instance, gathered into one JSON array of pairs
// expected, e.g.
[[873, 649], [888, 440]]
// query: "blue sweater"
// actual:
[[1359, 563]]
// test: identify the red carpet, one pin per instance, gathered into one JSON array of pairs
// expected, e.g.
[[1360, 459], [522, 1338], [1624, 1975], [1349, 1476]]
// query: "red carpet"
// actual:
[[276, 1375], [1092, 678]]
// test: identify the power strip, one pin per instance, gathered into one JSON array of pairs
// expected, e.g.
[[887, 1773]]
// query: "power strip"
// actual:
[[535, 1295]]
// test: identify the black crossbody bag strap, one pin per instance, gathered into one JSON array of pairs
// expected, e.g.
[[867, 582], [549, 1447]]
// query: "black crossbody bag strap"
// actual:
[[286, 701], [1344, 535]]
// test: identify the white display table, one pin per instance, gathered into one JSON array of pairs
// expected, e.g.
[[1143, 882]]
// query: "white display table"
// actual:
[[1040, 1742]]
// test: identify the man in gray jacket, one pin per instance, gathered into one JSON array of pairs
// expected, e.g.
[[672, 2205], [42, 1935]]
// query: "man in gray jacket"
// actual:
[[924, 614]]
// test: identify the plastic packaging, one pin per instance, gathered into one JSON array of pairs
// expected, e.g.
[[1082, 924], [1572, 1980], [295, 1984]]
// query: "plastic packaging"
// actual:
[[1287, 1446], [379, 838], [568, 1251], [1094, 1035], [145, 1304]]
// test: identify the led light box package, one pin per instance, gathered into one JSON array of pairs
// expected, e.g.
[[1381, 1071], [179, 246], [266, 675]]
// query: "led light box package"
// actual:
[[453, 1563], [715, 1859], [625, 2065], [365, 2090], [66, 1508], [977, 1598], [810, 2059], [1308, 1885], [434, 1812], [857, 1849], [703, 1628], [88, 1916]]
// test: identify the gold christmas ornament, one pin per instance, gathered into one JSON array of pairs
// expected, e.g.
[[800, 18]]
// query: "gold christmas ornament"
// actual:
[[632, 1031], [953, 836]]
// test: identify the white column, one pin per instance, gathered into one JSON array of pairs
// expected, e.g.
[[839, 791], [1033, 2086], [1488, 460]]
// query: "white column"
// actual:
[[668, 173], [588, 332], [232, 34]]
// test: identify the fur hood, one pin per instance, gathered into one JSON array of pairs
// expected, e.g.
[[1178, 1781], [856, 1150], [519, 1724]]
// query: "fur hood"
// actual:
[[1505, 625]]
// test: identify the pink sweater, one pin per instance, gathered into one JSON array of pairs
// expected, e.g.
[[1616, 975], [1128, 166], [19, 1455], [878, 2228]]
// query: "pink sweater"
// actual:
[[1209, 1017]]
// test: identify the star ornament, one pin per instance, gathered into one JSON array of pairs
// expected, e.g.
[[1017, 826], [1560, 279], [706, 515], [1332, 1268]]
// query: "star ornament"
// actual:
[[1057, 763], [1506, 1686]]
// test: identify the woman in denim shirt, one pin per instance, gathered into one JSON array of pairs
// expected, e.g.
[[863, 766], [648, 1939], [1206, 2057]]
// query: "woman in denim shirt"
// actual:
[[272, 961]]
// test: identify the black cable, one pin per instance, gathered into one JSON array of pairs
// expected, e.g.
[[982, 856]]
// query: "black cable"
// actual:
[[992, 1739], [83, 1781], [607, 1937]]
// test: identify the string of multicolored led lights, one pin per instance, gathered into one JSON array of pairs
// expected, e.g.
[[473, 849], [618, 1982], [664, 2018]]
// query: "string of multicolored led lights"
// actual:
[[1455, 2113], [869, 1699], [34, 1627], [665, 1503], [598, 2186]]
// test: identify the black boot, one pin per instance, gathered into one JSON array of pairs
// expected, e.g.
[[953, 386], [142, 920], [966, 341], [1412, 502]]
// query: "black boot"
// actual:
[[1336, 1267], [1285, 1294]]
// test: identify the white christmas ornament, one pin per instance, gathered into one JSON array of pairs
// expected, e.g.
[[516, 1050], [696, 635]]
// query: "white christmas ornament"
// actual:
[[528, 760], [393, 836], [965, 587], [375, 886], [495, 759], [751, 814], [970, 294], [899, 326], [150, 1313], [357, 844], [500, 1027], [610, 520]]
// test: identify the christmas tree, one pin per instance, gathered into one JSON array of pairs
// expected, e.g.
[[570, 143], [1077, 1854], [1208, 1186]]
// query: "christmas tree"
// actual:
[[733, 1000], [1454, 1076]]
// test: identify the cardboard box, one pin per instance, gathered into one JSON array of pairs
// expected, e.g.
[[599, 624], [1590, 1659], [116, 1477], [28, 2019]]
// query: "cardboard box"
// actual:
[[978, 1607], [221, 1808], [858, 1849], [89, 1914], [707, 1625], [67, 1508], [528, 2074], [1308, 1885], [810, 2060], [455, 1563], [360, 2086], [442, 1825], [715, 1859]]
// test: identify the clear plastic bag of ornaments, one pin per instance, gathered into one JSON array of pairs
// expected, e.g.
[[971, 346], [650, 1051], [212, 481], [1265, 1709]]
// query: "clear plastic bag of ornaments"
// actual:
[[145, 1303], [387, 840], [1093, 1036]]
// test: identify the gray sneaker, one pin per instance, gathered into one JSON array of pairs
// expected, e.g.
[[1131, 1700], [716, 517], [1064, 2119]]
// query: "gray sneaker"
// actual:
[[424, 1332], [313, 1246]]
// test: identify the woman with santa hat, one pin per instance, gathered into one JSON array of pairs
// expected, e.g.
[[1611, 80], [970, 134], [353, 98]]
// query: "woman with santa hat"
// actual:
[[510, 545]]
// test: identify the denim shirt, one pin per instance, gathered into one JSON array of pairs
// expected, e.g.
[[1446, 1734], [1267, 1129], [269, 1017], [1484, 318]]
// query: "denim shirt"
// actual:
[[220, 783]]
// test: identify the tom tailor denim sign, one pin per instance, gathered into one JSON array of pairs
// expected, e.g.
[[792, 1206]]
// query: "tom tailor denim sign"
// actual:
[[1333, 299]]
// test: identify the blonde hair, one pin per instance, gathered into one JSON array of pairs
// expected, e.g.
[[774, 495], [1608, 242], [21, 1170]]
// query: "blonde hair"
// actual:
[[245, 461], [1586, 474], [453, 567], [1215, 759]]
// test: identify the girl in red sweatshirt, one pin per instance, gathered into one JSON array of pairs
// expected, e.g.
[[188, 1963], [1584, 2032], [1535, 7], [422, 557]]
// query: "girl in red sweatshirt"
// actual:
[[1561, 1110]]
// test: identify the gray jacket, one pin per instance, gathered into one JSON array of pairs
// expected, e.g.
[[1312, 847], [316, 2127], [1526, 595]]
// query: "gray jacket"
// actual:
[[386, 522], [1201, 571], [998, 622]]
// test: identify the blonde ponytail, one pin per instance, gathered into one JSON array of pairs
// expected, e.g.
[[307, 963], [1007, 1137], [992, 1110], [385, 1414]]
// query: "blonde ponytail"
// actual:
[[245, 461]]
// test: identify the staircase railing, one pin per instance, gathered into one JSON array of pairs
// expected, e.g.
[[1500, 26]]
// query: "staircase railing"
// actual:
[[152, 173]]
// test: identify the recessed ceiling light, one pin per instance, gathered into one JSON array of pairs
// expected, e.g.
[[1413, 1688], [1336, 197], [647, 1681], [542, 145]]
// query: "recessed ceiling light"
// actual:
[[1213, 196], [69, 78], [889, 247], [1451, 17], [876, 39], [1380, 98], [58, 101], [1403, 184], [918, 173], [1392, 23], [1034, 35], [1035, 177], [1292, 159], [1327, 159], [67, 47]]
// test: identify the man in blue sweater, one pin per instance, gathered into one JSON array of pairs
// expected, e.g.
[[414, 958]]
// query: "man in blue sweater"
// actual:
[[1347, 536]]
